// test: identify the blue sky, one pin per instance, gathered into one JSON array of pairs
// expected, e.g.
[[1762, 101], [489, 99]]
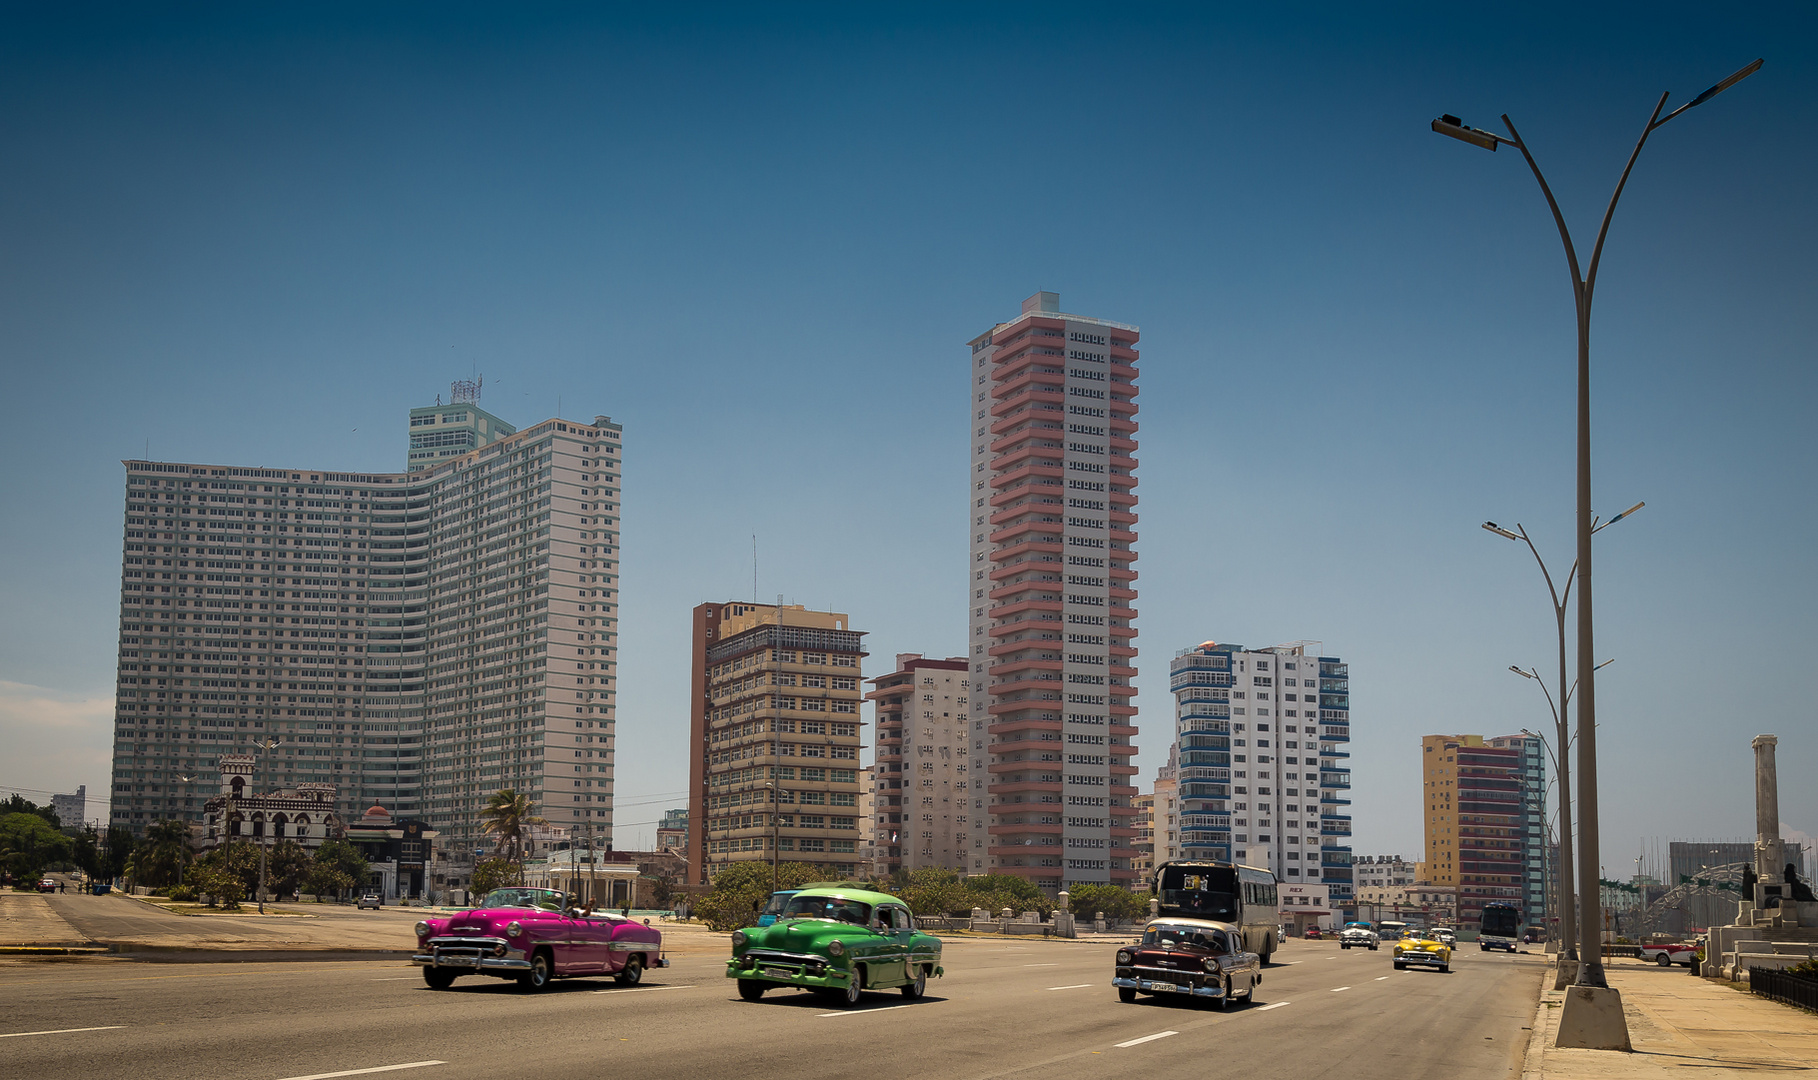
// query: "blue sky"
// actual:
[[762, 240]]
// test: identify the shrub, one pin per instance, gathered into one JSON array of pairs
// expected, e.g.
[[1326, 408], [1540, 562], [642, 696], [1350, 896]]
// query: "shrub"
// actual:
[[182, 894]]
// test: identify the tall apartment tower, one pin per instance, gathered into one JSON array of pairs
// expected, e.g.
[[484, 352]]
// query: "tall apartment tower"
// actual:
[[1262, 741], [924, 815], [439, 432], [1533, 814], [416, 639], [774, 729], [1474, 829], [1052, 595]]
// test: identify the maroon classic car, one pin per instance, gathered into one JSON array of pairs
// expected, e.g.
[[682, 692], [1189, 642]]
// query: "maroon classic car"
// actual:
[[1191, 957], [532, 936]]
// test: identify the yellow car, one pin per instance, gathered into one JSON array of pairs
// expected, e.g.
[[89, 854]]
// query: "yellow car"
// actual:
[[1418, 947]]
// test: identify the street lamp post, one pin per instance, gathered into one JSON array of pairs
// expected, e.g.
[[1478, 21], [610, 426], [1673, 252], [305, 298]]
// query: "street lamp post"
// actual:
[[1590, 970], [260, 751], [776, 801], [1562, 765]]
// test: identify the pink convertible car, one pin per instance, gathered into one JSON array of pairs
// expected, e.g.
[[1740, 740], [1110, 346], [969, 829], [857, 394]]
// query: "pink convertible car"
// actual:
[[528, 935]]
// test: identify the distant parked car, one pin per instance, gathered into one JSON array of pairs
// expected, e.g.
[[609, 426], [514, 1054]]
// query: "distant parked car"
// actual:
[[1668, 955], [47, 885], [372, 900], [1314, 933], [1445, 934]]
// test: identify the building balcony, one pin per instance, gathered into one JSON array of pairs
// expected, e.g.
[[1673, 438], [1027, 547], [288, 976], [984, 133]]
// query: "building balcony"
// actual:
[[1033, 828]]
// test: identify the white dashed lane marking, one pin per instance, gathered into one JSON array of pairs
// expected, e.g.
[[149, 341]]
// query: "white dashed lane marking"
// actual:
[[1266, 1008], [1147, 1038], [1336, 989], [59, 1031], [1075, 986]]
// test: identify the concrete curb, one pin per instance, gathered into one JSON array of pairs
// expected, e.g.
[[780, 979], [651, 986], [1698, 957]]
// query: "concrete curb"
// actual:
[[52, 950], [182, 954], [1533, 1061]]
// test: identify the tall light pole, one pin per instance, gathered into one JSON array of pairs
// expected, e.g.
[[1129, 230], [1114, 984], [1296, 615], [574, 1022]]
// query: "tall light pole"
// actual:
[[1584, 285], [776, 802], [1561, 600], [260, 752]]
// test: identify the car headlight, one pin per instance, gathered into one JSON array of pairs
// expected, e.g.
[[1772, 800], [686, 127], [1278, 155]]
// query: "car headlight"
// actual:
[[1123, 957], [422, 929], [1210, 963], [513, 929], [738, 938], [834, 948]]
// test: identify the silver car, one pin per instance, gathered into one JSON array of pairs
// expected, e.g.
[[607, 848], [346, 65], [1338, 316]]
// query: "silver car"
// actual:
[[1358, 936], [372, 900]]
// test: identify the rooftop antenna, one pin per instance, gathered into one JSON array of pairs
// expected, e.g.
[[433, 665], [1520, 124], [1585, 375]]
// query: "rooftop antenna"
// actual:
[[754, 593], [465, 391]]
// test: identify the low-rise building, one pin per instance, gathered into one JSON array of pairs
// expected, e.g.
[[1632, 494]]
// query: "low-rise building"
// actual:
[[672, 831]]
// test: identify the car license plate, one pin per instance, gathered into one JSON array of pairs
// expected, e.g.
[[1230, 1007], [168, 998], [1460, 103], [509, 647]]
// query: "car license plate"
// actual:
[[779, 973], [1163, 986], [457, 961]]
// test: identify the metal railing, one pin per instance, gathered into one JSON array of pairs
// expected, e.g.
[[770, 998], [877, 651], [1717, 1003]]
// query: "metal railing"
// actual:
[[1799, 991]]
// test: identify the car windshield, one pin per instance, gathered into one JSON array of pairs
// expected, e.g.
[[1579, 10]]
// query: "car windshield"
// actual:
[[544, 899], [777, 902], [827, 907], [1166, 936]]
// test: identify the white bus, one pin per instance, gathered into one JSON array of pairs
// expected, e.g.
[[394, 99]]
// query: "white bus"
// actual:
[[1243, 896]]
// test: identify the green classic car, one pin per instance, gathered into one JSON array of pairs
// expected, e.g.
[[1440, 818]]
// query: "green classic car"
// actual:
[[838, 942]]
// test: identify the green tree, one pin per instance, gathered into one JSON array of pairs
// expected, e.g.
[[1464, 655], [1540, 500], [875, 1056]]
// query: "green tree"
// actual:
[[224, 887], [346, 859], [325, 879], [239, 861], [116, 850], [741, 890], [85, 851], [507, 815], [490, 874], [19, 804], [932, 892], [163, 854], [29, 843], [1116, 902], [285, 864]]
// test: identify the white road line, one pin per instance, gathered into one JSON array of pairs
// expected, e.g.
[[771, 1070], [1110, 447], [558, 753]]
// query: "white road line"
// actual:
[[1336, 989], [1041, 965], [1075, 986], [398, 978], [59, 1031], [642, 989], [1266, 1008], [363, 1072], [862, 1012], [1380, 978], [1147, 1038]]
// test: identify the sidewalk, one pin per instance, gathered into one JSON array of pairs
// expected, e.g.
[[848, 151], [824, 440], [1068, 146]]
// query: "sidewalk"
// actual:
[[26, 920], [1676, 1022]]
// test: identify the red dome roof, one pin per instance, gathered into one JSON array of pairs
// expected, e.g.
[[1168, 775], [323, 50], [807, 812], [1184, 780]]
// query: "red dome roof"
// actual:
[[377, 811]]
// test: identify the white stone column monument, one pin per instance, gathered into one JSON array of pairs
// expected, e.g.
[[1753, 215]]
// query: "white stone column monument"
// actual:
[[1770, 861]]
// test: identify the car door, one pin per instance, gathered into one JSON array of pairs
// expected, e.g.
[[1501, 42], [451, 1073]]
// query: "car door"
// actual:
[[888, 949], [906, 936]]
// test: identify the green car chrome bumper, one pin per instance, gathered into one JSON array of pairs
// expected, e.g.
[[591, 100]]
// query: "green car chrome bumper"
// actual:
[[789, 970]]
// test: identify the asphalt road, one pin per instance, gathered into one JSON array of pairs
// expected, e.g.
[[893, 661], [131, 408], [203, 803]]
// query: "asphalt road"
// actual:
[[1005, 1009]]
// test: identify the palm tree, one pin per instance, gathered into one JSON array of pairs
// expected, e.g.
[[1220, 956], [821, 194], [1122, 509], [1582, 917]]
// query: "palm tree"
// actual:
[[507, 814], [164, 853]]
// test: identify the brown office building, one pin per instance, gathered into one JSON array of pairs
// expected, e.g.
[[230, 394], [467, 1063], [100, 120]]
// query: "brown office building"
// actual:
[[1474, 822], [774, 738]]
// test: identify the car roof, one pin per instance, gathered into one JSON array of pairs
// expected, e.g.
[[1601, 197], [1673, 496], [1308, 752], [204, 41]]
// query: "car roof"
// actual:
[[863, 896]]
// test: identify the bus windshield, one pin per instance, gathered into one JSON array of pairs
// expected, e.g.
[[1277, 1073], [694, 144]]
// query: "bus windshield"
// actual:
[[1500, 921], [1200, 892]]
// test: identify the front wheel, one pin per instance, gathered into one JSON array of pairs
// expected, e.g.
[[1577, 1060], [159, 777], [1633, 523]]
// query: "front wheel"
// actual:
[[1372, 948], [537, 978], [1126, 995], [1344, 945], [751, 989], [438, 978], [1224, 999], [850, 996], [633, 971], [918, 986], [1445, 969], [1399, 966]]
